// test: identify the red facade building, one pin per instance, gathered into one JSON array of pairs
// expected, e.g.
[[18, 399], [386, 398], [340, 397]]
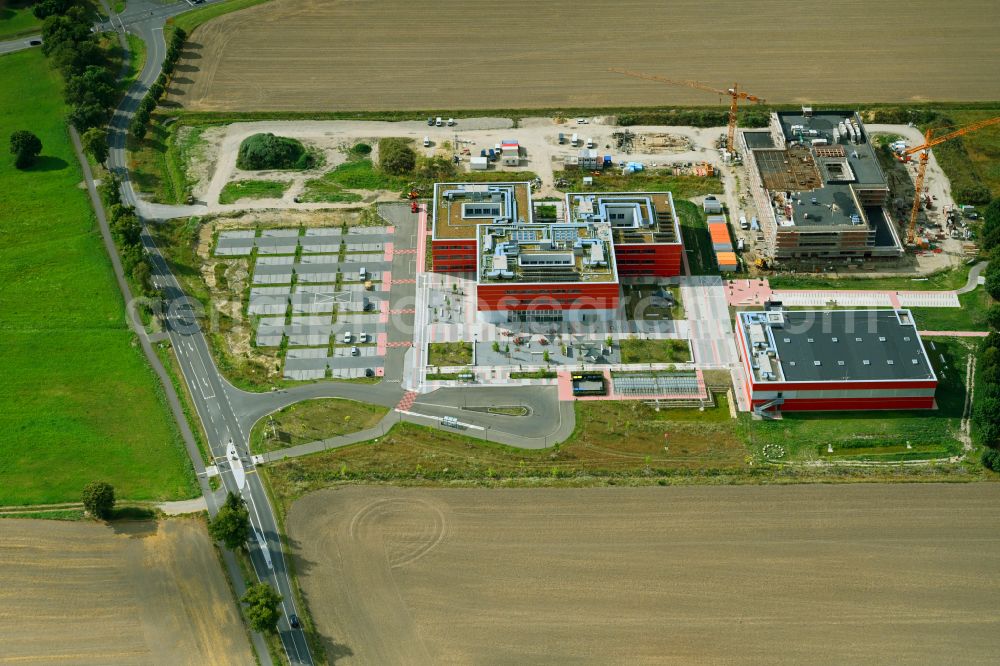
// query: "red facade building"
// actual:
[[826, 360], [533, 268]]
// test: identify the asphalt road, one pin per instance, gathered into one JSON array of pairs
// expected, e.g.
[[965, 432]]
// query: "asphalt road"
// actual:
[[226, 435], [228, 413]]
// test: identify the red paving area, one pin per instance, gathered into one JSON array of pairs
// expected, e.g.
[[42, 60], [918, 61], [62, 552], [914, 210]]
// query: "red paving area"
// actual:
[[405, 251], [405, 281], [397, 345], [956, 334], [403, 311], [747, 292], [407, 401]]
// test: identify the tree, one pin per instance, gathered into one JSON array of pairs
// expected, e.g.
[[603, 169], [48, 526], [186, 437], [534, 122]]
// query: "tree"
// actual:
[[993, 317], [263, 605], [94, 85], [85, 116], [47, 8], [99, 498], [95, 142], [25, 147], [231, 525], [992, 285]]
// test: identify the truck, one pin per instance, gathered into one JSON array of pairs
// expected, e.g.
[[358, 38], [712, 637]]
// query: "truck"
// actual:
[[562, 138], [492, 155]]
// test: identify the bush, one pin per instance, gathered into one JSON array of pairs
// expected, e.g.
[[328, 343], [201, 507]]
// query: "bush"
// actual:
[[267, 151], [395, 156], [991, 460], [361, 150]]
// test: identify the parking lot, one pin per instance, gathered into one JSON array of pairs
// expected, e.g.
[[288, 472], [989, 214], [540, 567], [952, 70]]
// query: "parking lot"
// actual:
[[321, 295]]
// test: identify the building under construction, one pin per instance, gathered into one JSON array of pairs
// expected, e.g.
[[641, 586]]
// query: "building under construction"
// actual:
[[819, 189]]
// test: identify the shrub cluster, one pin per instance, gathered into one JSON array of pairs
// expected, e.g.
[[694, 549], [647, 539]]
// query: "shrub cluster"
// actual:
[[990, 233], [395, 156], [750, 116], [155, 93], [267, 151], [76, 52]]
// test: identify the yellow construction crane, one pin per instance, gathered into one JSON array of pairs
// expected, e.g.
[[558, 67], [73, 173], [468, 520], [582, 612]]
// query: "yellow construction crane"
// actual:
[[734, 93], [929, 142]]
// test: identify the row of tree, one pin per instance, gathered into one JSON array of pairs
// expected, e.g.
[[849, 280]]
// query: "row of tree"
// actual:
[[231, 526], [986, 411], [91, 87], [156, 91]]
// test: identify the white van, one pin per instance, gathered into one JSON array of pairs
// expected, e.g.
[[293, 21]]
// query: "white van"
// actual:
[[438, 121], [347, 337], [739, 245], [427, 142]]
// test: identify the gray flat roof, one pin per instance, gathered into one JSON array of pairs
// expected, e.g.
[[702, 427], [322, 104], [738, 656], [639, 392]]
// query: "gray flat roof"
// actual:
[[845, 345], [829, 171]]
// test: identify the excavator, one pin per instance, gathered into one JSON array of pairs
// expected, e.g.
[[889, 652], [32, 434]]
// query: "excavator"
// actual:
[[924, 149], [734, 93]]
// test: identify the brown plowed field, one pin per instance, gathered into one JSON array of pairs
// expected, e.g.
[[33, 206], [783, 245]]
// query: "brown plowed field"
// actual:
[[328, 55], [143, 593], [686, 575]]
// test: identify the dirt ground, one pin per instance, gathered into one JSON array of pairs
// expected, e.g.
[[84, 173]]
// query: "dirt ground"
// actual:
[[805, 574], [451, 54], [138, 593]]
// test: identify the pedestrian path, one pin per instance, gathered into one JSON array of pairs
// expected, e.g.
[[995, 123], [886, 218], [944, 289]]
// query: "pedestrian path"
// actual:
[[754, 293]]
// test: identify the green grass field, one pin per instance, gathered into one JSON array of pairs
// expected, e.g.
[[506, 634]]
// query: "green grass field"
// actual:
[[973, 158], [655, 351], [449, 353], [79, 401], [252, 189], [697, 242], [612, 180], [312, 420], [191, 20], [952, 278], [971, 316], [16, 19], [876, 435]]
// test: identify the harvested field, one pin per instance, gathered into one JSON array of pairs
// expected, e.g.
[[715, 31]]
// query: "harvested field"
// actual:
[[315, 55], [135, 593], [806, 574]]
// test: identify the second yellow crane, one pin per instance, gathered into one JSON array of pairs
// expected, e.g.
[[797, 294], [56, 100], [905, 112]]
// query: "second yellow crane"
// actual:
[[734, 93], [925, 150]]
